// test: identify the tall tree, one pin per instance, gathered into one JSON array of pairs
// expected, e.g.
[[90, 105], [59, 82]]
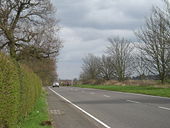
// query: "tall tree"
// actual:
[[106, 68], [140, 65], [90, 68], [22, 21], [156, 41], [120, 50]]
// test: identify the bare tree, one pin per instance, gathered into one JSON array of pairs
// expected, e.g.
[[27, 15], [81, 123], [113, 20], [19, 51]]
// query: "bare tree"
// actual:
[[156, 42], [120, 50], [106, 68], [140, 66], [46, 44], [47, 39], [20, 21], [90, 67]]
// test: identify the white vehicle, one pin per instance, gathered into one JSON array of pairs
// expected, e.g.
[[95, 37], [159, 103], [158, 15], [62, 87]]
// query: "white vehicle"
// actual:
[[56, 84]]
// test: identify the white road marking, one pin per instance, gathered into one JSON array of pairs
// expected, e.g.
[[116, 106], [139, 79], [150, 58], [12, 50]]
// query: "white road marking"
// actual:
[[92, 93], [57, 112], [105, 125], [133, 101], [106, 96], [164, 108]]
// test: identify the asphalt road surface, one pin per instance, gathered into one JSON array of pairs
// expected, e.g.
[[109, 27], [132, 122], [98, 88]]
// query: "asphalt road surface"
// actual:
[[116, 109]]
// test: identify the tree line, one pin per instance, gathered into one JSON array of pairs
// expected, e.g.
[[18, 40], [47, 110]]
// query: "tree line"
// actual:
[[124, 58], [29, 34]]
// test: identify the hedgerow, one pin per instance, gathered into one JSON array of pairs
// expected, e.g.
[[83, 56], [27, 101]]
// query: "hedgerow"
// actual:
[[19, 90]]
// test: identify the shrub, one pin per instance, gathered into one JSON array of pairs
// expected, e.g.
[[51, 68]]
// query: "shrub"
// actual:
[[19, 89], [30, 89], [9, 94]]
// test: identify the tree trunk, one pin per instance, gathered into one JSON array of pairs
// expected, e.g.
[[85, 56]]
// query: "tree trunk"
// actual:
[[162, 80], [162, 76], [12, 50]]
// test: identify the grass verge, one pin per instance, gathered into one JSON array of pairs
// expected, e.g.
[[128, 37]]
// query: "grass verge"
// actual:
[[149, 90], [39, 114]]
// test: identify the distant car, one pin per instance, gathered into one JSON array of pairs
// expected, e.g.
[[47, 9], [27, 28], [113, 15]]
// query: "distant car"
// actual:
[[56, 84]]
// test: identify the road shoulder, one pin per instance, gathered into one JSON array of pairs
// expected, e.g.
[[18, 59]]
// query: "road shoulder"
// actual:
[[66, 116]]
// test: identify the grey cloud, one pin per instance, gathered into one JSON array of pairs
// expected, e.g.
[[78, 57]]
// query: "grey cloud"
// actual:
[[93, 34], [108, 14]]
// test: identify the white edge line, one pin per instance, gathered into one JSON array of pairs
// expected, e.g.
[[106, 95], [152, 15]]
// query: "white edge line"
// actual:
[[133, 101], [106, 96], [164, 108], [105, 125]]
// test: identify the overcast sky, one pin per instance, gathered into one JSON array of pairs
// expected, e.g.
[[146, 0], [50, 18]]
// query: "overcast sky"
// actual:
[[86, 25]]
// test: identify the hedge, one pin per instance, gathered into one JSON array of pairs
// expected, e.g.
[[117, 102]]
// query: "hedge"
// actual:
[[19, 89], [30, 90]]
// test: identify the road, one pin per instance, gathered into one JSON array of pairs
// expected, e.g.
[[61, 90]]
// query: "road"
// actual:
[[118, 110], [64, 115]]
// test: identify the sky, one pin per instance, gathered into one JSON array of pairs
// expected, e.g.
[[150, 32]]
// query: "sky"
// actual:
[[87, 24]]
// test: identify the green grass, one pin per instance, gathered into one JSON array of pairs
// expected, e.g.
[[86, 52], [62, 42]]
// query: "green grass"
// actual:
[[149, 90], [39, 114]]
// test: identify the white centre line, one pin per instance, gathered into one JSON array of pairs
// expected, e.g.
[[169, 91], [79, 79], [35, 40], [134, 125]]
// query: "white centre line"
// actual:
[[133, 101], [164, 108], [105, 125], [92, 93], [106, 96]]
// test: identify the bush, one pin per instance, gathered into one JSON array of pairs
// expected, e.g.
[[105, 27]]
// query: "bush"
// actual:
[[19, 89], [30, 89], [9, 92]]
